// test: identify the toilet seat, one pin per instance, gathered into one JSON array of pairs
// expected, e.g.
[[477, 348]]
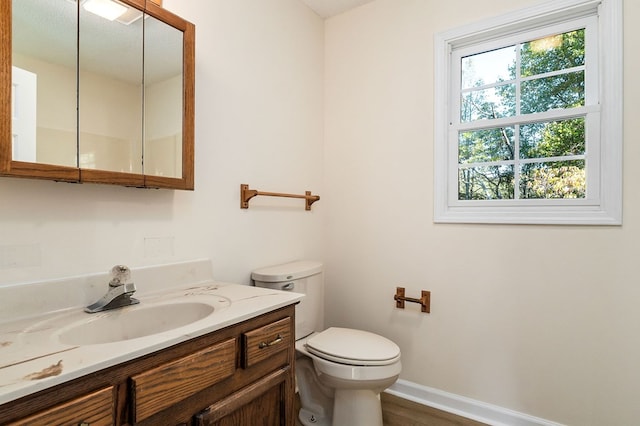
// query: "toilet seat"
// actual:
[[353, 347], [348, 371]]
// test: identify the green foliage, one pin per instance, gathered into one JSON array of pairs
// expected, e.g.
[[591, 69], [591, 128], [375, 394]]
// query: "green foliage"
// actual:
[[554, 53], [558, 181], [553, 139], [486, 145], [486, 183]]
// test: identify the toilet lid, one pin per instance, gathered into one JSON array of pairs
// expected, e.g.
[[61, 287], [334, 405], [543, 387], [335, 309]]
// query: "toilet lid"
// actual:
[[355, 347]]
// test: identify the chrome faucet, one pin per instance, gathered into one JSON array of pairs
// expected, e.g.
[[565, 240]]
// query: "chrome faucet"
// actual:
[[119, 294]]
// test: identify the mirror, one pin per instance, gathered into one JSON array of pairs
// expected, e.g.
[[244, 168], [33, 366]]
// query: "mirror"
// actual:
[[163, 104], [110, 90], [97, 100], [44, 119]]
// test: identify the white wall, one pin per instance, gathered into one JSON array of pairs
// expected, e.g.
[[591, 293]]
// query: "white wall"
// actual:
[[539, 319], [259, 103]]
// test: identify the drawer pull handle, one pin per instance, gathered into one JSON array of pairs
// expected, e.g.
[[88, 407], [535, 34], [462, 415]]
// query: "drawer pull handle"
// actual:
[[275, 341]]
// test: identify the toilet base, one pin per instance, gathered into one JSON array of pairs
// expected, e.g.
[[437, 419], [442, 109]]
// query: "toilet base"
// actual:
[[357, 407], [315, 399]]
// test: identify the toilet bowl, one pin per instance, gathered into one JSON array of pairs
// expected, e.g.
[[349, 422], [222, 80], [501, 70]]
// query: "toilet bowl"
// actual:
[[340, 372], [357, 366]]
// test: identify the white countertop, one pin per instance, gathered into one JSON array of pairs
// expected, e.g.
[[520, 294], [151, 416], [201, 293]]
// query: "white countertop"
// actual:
[[32, 358]]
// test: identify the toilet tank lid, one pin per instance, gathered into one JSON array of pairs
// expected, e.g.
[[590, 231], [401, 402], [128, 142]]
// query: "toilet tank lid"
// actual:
[[287, 271]]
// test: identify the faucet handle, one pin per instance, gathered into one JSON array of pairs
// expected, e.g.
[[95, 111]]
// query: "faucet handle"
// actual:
[[120, 274]]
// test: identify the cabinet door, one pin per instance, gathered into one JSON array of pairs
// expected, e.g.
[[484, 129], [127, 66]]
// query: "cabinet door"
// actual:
[[95, 409], [258, 404]]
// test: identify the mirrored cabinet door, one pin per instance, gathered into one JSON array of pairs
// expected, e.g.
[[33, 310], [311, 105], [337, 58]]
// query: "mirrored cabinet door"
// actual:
[[110, 83], [163, 103], [169, 100], [43, 82]]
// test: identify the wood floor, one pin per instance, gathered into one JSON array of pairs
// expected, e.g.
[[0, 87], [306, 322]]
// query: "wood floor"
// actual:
[[401, 412]]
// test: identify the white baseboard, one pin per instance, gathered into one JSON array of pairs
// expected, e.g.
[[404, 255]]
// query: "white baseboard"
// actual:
[[465, 407]]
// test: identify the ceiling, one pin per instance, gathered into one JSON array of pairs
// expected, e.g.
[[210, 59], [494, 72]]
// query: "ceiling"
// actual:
[[329, 8]]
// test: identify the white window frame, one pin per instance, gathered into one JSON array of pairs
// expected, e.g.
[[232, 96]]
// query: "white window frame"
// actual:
[[603, 204]]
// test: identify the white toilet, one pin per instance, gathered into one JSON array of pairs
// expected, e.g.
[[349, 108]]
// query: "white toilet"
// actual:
[[340, 372]]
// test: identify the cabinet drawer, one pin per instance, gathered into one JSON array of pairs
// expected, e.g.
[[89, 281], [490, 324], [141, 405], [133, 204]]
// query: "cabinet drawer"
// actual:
[[263, 342], [163, 386], [95, 409]]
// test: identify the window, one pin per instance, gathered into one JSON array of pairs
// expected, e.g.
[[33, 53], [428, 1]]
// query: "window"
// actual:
[[529, 117]]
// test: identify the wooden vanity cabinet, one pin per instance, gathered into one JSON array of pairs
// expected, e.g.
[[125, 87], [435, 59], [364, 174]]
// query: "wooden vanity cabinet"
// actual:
[[242, 375]]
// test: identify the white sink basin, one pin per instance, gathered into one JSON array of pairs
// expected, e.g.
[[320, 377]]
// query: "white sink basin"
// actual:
[[136, 321]]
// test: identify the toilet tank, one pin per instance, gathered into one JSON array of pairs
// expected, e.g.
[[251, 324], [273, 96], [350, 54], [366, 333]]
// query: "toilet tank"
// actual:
[[302, 276]]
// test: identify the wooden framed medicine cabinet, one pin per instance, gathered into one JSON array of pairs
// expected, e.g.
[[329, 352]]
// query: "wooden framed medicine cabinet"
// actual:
[[90, 99]]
